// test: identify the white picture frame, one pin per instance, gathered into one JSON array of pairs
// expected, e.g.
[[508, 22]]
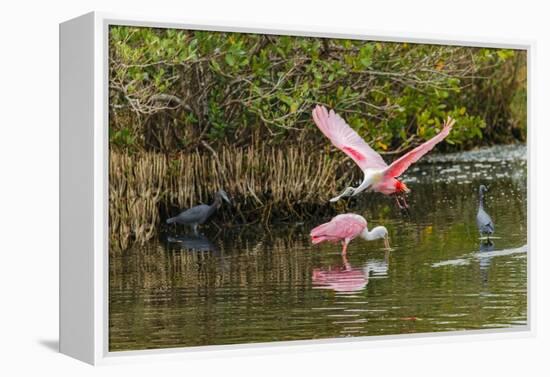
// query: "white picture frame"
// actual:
[[84, 190]]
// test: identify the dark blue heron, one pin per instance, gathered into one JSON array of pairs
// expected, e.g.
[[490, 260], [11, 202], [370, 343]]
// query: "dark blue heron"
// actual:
[[197, 215], [484, 222]]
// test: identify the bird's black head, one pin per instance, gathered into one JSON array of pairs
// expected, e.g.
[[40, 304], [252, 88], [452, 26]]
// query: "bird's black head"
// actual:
[[482, 189]]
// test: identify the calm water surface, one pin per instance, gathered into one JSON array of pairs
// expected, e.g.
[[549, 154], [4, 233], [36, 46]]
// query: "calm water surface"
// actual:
[[256, 285]]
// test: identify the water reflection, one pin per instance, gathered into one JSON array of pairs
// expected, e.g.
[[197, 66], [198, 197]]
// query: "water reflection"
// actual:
[[379, 267], [192, 242], [485, 247], [345, 278]]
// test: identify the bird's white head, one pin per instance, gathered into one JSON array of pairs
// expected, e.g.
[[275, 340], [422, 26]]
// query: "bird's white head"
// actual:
[[379, 232]]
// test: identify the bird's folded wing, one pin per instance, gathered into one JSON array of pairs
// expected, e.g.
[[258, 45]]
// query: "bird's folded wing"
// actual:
[[194, 214], [346, 139], [349, 228], [399, 166], [339, 227]]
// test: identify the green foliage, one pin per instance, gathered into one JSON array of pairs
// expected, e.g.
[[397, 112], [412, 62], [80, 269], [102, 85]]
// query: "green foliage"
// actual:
[[172, 89], [122, 137]]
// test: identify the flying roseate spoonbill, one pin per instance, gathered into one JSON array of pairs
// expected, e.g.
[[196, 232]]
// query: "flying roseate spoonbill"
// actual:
[[346, 227], [484, 222], [197, 215], [378, 176]]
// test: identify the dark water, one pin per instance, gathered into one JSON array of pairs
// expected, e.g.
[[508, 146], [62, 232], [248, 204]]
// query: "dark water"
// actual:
[[258, 285]]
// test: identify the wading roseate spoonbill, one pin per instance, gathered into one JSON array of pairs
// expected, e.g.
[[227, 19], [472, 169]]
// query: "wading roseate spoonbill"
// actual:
[[197, 215], [484, 222], [346, 227], [378, 176]]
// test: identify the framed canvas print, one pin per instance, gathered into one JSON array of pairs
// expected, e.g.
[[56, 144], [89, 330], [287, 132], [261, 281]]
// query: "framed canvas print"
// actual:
[[224, 186]]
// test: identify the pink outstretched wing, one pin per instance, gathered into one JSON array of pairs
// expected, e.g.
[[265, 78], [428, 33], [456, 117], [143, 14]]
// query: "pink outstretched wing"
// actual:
[[341, 227], [346, 139], [399, 166]]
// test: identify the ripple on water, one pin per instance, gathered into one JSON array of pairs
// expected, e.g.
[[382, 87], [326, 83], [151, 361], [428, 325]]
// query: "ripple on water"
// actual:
[[481, 255]]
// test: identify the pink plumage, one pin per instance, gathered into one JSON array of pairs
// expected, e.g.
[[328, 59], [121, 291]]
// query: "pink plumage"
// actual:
[[348, 141], [342, 228], [400, 165]]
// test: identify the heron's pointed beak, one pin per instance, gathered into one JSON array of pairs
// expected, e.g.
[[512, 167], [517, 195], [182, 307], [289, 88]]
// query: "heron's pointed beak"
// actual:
[[224, 197]]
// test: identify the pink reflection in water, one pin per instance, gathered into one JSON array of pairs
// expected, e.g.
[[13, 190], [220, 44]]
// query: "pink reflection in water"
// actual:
[[346, 278]]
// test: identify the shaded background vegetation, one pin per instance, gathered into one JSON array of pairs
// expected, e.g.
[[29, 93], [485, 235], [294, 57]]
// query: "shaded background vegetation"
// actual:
[[172, 89], [195, 111]]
